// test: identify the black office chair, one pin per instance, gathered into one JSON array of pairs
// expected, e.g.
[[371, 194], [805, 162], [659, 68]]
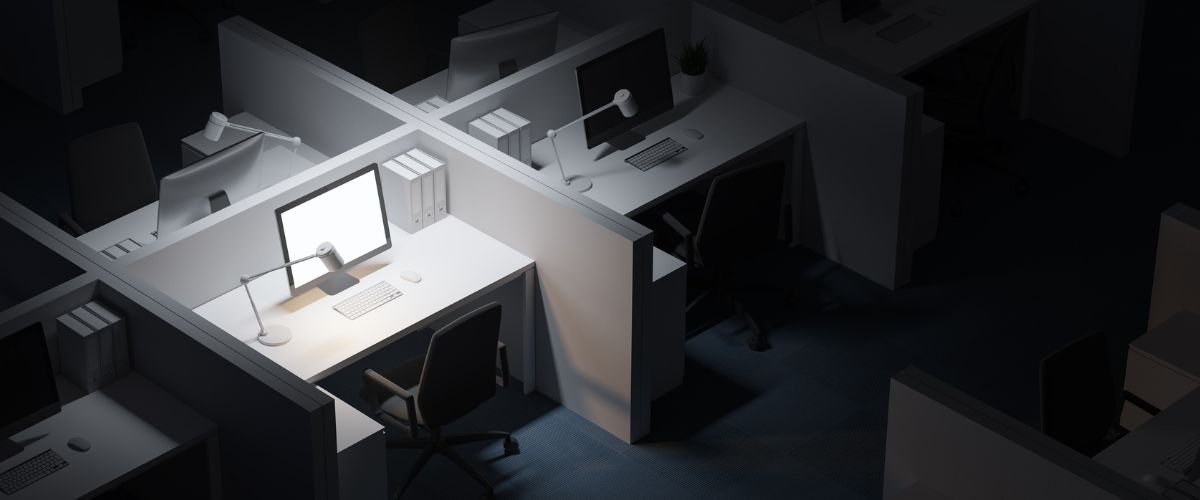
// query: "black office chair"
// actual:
[[109, 175], [456, 374], [739, 220], [1080, 401]]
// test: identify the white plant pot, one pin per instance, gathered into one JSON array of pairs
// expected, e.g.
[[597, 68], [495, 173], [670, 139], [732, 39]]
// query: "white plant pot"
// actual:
[[693, 85]]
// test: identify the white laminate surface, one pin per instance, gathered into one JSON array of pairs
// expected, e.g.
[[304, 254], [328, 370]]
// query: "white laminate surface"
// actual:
[[457, 263], [1142, 451], [131, 424], [959, 22], [733, 123]]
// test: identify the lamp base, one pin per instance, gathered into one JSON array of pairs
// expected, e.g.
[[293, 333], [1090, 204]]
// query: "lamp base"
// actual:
[[579, 183], [275, 335]]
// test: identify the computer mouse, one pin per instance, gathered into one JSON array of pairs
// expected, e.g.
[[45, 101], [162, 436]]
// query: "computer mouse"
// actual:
[[79, 444], [410, 276], [693, 133]]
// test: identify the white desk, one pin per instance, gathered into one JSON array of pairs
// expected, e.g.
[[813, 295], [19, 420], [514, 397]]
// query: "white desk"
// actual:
[[277, 163], [132, 425], [734, 125], [1163, 366], [1141, 451], [959, 23], [457, 262]]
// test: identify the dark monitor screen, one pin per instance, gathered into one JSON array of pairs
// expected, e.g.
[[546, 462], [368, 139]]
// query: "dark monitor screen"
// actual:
[[26, 380], [851, 9], [641, 67]]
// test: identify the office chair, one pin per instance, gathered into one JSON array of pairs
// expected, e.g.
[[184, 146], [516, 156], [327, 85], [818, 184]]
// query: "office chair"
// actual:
[[109, 175], [456, 374], [1080, 401], [739, 220], [975, 100]]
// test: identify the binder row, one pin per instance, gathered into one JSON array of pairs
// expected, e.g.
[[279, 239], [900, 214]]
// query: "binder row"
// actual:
[[505, 131], [431, 104], [423, 189]]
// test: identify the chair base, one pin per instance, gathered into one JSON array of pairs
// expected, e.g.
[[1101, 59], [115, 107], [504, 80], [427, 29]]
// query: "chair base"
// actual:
[[442, 445]]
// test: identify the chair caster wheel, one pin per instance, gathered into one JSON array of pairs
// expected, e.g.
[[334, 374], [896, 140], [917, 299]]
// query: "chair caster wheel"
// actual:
[[758, 344], [511, 446]]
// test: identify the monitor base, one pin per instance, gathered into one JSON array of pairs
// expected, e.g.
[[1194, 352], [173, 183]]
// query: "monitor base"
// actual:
[[337, 283], [9, 449], [626, 140]]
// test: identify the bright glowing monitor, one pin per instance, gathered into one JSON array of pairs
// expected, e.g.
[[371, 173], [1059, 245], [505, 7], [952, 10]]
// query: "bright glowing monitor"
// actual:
[[348, 213]]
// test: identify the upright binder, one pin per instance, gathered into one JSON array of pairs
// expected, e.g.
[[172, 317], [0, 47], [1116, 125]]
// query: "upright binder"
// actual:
[[512, 137], [409, 197], [488, 133], [524, 127], [427, 196], [440, 198]]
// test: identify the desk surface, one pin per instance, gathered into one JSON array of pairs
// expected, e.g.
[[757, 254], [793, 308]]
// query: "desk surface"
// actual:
[[734, 125], [132, 424], [958, 23], [457, 263], [1141, 451], [277, 163]]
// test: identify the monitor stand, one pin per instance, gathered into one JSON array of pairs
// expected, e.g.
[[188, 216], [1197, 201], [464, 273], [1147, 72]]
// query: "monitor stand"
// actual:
[[626, 140], [337, 283], [9, 449]]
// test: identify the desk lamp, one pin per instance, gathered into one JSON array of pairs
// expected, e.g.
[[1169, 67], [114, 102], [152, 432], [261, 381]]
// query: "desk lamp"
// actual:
[[279, 335], [218, 122], [623, 100]]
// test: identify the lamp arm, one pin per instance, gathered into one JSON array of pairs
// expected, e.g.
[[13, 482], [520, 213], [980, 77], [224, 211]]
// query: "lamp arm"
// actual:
[[552, 133], [294, 140], [246, 286]]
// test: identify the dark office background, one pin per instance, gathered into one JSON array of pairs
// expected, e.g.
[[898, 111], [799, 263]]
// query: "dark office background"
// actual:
[[1010, 277]]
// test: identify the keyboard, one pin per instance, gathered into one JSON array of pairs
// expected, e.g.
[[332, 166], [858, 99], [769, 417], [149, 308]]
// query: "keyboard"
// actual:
[[367, 300], [659, 152], [1183, 460], [904, 28], [30, 471]]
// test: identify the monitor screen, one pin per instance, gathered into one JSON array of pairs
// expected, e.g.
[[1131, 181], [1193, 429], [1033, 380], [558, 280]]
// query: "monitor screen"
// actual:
[[480, 58], [203, 187], [26, 379], [348, 213], [851, 9], [640, 66]]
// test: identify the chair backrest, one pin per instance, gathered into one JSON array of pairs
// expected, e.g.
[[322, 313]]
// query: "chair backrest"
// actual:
[[110, 175], [460, 367], [1078, 393], [741, 213]]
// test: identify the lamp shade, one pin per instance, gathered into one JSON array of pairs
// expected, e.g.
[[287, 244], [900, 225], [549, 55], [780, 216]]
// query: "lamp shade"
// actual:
[[329, 256], [624, 101], [216, 124]]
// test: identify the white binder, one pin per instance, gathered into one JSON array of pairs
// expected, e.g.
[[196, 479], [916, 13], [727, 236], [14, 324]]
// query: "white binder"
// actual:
[[440, 197], [427, 196], [512, 136], [526, 140], [489, 134], [408, 199]]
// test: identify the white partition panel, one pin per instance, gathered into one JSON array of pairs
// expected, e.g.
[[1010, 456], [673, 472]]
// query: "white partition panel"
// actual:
[[296, 91], [862, 130], [947, 444], [1176, 268]]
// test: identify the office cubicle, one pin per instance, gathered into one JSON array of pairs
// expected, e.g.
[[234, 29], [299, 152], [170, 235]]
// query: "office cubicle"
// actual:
[[274, 436], [945, 444]]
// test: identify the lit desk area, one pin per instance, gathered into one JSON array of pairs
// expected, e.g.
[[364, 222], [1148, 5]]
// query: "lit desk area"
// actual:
[[457, 263]]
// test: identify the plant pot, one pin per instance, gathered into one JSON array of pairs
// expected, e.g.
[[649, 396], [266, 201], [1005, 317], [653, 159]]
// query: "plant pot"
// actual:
[[693, 85]]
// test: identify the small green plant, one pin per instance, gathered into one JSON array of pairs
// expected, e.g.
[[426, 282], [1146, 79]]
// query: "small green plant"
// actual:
[[693, 59]]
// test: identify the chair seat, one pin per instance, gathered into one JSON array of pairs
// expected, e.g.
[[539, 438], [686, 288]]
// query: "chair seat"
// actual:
[[395, 407]]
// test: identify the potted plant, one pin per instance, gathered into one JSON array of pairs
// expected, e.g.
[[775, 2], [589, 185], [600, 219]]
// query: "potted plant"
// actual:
[[693, 63]]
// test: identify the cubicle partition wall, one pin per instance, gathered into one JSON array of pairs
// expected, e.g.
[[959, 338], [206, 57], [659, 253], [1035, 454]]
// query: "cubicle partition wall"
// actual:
[[941, 443], [862, 130], [1176, 271], [278, 82], [275, 433]]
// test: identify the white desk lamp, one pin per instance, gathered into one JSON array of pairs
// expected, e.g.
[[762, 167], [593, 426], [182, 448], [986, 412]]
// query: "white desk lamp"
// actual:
[[623, 100], [277, 334], [218, 122]]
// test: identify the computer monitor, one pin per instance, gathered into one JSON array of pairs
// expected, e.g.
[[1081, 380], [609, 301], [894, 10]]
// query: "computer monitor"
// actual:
[[482, 57], [27, 385], [209, 185], [348, 213], [639, 66]]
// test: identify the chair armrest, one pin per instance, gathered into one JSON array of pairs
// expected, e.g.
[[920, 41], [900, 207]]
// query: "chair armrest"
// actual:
[[68, 224], [410, 403], [502, 351], [684, 232], [1141, 403]]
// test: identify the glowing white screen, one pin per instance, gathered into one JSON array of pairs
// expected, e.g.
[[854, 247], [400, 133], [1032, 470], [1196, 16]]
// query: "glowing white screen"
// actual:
[[347, 216]]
